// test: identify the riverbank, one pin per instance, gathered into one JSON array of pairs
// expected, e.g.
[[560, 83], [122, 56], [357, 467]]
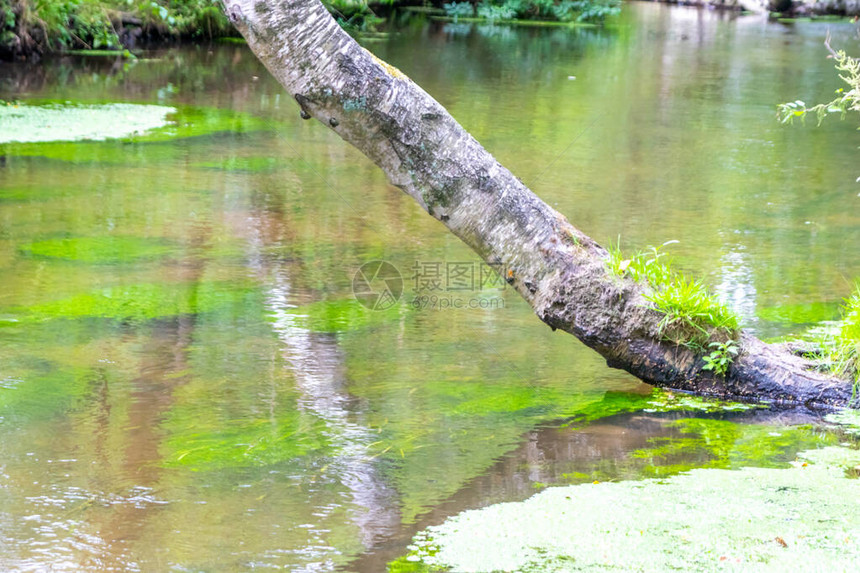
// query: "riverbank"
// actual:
[[29, 29], [780, 8]]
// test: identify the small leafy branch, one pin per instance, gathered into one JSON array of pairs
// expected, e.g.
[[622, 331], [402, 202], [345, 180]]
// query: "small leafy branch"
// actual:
[[721, 357], [844, 102]]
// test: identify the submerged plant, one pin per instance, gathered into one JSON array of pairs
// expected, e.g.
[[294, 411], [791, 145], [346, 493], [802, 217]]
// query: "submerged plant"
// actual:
[[692, 316]]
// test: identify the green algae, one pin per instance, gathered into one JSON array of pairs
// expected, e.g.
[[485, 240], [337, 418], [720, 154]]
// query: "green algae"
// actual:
[[657, 401], [340, 315], [142, 302], [241, 443], [714, 443], [801, 518], [100, 140], [31, 396], [54, 122], [103, 250], [809, 313], [849, 420], [237, 407]]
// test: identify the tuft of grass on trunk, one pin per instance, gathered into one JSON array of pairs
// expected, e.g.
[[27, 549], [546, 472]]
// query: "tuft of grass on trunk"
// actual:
[[692, 316], [840, 351]]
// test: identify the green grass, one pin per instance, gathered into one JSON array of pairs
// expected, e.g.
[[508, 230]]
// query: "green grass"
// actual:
[[840, 352], [692, 316]]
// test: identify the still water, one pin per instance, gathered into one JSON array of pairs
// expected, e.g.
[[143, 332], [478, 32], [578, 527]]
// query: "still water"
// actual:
[[187, 382]]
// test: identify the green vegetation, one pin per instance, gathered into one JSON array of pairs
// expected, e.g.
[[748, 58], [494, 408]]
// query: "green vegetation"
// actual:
[[141, 302], [721, 357], [548, 10], [693, 317], [840, 351], [844, 101], [100, 250], [45, 26], [102, 27], [846, 358], [682, 522], [355, 16]]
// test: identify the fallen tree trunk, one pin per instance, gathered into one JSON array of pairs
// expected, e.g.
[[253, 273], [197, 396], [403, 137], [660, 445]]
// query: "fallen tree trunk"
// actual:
[[558, 270]]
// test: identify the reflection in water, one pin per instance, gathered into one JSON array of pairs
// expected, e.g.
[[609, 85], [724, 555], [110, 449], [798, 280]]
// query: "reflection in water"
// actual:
[[95, 520], [737, 285], [317, 365], [616, 448]]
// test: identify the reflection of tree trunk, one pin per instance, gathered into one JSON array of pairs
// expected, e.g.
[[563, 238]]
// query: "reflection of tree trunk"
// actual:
[[317, 365], [564, 455], [163, 367], [557, 269]]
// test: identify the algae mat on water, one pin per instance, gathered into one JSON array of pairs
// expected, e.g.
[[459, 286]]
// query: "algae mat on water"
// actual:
[[40, 123], [99, 250], [803, 518], [86, 133]]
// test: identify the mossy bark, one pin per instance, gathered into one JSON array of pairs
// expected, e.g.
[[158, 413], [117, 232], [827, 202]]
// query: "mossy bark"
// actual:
[[558, 270]]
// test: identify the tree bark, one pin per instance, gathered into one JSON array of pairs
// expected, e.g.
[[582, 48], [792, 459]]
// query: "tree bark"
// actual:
[[558, 270]]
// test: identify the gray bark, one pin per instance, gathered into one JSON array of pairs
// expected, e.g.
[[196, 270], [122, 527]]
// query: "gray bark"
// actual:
[[557, 269]]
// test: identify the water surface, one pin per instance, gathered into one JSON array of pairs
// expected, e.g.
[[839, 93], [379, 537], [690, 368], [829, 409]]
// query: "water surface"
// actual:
[[188, 383]]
